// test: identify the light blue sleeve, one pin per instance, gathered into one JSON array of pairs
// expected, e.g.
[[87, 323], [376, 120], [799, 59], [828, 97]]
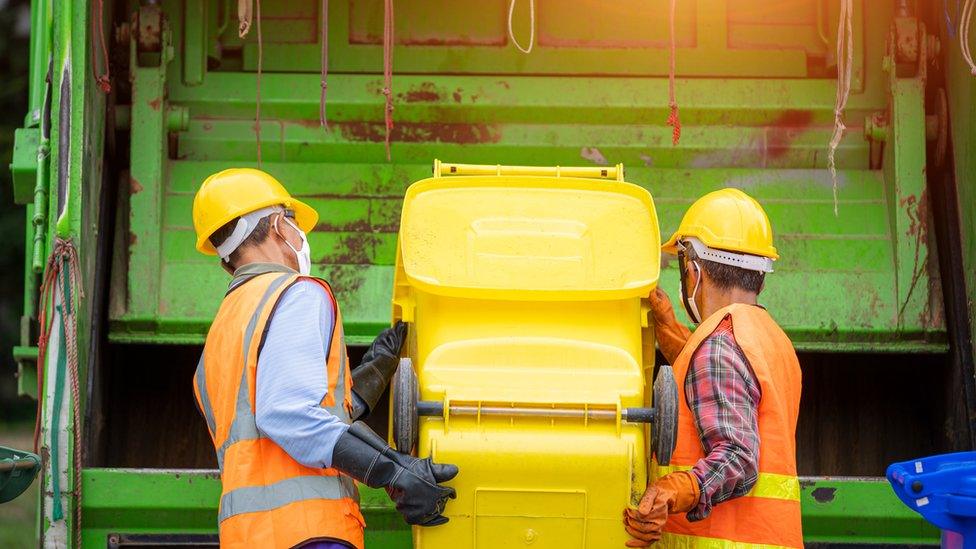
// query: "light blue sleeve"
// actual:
[[292, 378]]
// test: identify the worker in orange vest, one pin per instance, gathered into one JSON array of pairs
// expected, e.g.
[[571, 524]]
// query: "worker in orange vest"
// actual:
[[275, 387], [732, 480]]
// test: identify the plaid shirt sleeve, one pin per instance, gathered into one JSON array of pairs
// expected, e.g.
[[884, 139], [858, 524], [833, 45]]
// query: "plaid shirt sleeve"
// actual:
[[723, 394]]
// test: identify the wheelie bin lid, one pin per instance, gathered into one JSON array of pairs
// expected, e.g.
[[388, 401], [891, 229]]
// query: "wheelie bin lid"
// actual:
[[529, 237]]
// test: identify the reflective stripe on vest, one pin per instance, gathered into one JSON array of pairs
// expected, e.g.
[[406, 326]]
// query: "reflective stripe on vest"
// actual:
[[681, 541], [201, 379], [768, 485], [251, 499]]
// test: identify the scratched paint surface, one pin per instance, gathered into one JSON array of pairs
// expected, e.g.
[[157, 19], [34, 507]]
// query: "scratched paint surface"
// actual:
[[859, 280]]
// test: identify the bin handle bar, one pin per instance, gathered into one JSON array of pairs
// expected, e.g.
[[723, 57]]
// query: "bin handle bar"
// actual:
[[615, 173], [631, 415], [23, 464]]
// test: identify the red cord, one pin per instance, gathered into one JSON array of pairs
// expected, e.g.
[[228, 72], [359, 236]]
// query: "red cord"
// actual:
[[50, 273], [675, 123], [323, 121], [388, 71], [673, 119]]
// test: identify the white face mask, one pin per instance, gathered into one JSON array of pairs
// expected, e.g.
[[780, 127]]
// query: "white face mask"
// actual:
[[304, 255]]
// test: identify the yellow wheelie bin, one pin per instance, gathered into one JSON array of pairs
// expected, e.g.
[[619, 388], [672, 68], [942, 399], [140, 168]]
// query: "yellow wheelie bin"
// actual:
[[530, 356]]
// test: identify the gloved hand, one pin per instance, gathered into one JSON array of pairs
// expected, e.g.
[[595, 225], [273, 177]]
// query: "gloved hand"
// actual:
[[413, 491], [646, 522], [674, 493], [388, 343], [413, 484], [671, 335], [373, 374]]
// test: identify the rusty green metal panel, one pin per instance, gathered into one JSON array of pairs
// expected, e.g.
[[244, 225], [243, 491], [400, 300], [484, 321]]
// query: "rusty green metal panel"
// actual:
[[859, 510], [67, 191], [764, 134], [745, 38], [140, 248]]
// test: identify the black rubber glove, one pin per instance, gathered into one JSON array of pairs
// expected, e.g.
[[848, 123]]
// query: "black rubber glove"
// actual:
[[387, 343], [412, 491], [373, 374], [413, 484]]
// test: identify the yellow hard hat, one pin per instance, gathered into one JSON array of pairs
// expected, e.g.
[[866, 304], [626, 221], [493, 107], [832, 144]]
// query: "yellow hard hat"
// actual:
[[232, 193], [729, 220]]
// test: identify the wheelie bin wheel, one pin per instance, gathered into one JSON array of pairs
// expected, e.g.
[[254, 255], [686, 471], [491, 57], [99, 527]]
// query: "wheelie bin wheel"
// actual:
[[406, 391], [665, 430]]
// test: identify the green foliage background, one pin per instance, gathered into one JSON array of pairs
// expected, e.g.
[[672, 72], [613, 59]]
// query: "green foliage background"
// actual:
[[14, 57], [17, 523]]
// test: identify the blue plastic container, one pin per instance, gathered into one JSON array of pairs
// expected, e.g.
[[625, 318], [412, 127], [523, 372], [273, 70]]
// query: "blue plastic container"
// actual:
[[943, 490]]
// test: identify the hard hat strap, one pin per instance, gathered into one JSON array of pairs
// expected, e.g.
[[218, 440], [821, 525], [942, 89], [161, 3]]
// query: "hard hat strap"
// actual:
[[245, 226], [743, 261]]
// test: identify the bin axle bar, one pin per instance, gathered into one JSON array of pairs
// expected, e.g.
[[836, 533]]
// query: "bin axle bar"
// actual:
[[631, 415]]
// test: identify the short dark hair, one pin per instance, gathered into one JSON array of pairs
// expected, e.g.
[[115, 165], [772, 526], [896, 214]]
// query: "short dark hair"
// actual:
[[728, 276], [257, 236]]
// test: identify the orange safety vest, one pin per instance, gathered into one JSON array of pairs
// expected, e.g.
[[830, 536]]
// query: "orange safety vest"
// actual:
[[269, 500], [769, 515]]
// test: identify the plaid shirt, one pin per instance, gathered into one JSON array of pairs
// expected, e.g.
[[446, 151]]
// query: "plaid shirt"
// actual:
[[723, 394]]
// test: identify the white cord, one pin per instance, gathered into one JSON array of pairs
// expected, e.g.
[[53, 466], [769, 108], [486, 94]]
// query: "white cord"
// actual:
[[845, 61], [965, 22], [511, 35]]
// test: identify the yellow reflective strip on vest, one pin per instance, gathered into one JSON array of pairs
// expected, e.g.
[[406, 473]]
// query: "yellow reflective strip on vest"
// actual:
[[205, 406], [768, 485], [254, 499], [681, 541]]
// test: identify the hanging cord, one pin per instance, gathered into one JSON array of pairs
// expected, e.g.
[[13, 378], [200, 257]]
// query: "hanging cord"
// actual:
[[98, 42], [62, 265], [244, 8], [511, 34], [388, 70], [257, 94], [845, 61], [324, 26], [673, 119], [965, 22], [950, 26]]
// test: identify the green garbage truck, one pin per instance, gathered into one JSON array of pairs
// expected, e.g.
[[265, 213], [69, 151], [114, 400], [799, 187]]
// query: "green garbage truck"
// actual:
[[852, 121]]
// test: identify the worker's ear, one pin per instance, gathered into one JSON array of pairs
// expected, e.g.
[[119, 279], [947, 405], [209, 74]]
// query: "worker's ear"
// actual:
[[281, 229], [275, 231]]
